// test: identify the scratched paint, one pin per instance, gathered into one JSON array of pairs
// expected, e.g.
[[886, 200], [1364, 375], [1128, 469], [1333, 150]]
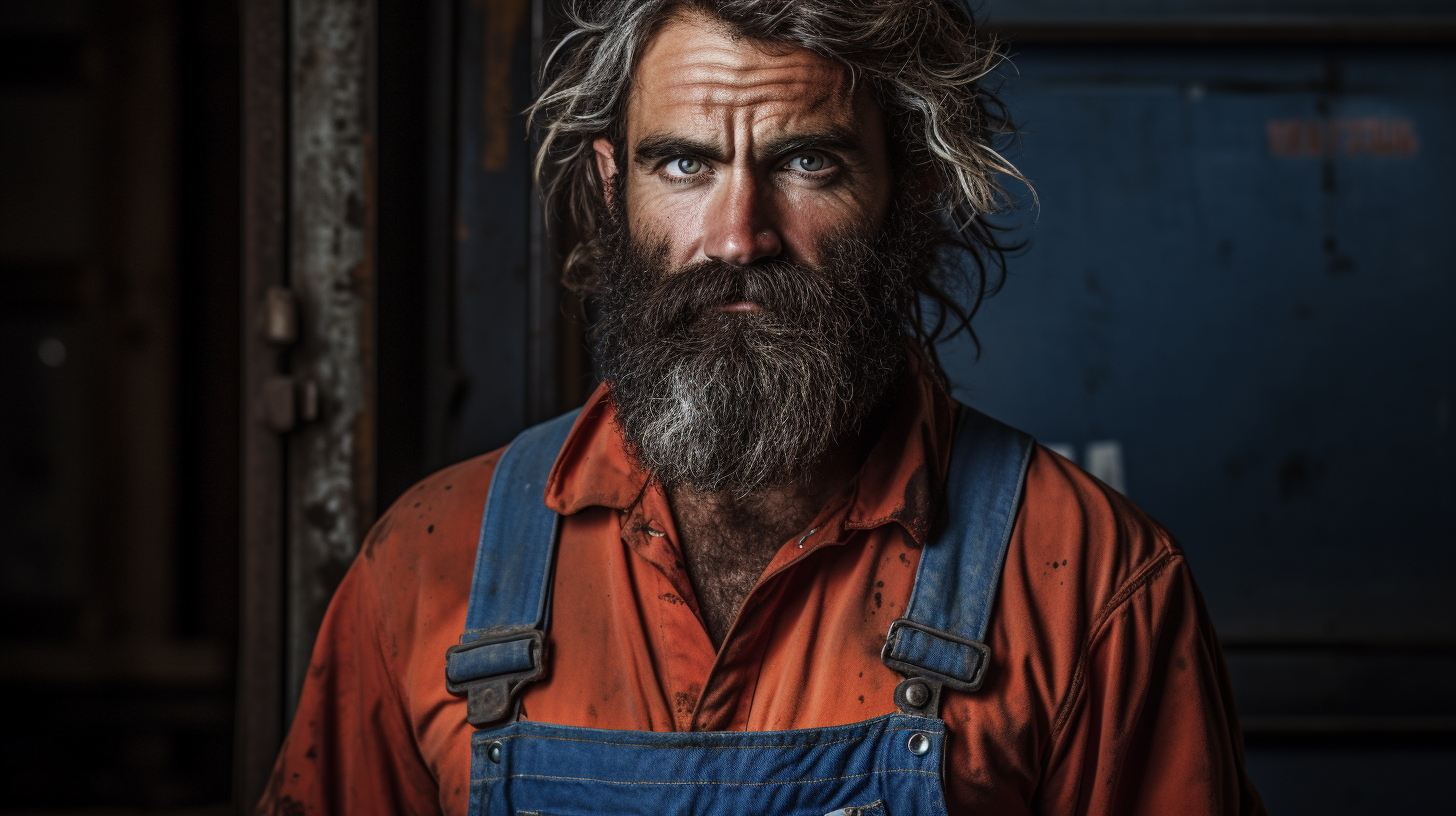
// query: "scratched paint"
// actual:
[[504, 27], [492, 261], [332, 272], [1362, 136]]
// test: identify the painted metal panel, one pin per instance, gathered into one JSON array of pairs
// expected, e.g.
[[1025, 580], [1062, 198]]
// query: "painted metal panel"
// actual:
[[1237, 307], [494, 198], [1174, 10], [1237, 275]]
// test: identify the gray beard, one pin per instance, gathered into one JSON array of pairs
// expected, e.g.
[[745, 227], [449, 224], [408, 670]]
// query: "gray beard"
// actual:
[[752, 410], [740, 401]]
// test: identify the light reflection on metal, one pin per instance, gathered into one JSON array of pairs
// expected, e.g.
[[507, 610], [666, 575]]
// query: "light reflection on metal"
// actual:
[[332, 274]]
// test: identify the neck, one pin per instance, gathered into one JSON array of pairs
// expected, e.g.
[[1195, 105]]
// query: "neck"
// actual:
[[728, 541]]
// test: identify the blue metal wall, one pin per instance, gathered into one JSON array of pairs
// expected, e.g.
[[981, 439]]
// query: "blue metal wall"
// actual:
[[1238, 299], [1180, 11]]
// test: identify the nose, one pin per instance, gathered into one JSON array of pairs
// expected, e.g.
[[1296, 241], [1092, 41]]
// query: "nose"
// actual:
[[740, 226]]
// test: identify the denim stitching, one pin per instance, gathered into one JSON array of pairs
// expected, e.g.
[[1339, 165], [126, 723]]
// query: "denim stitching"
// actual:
[[682, 747], [701, 784], [706, 747]]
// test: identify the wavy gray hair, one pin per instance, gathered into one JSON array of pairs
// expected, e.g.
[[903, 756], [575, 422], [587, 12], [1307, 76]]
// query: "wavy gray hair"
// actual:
[[922, 60]]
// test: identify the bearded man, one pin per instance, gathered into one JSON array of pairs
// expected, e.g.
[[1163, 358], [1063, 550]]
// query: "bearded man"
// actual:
[[771, 566]]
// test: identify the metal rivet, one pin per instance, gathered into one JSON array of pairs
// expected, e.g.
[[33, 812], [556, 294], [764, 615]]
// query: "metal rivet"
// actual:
[[493, 751], [916, 694], [919, 744]]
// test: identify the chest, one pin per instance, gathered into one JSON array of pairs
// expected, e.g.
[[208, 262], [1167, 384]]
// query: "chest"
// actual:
[[629, 651], [723, 565]]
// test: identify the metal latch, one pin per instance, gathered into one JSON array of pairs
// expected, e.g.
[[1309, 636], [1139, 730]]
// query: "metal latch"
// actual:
[[279, 317], [285, 402]]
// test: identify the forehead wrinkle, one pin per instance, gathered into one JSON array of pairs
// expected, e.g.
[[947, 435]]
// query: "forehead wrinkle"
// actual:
[[712, 86], [694, 40], [711, 79]]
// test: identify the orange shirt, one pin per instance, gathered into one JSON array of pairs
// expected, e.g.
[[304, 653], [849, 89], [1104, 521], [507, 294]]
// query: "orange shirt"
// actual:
[[1106, 694]]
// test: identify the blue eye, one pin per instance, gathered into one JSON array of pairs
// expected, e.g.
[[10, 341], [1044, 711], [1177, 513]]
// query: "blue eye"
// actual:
[[808, 163], [688, 166]]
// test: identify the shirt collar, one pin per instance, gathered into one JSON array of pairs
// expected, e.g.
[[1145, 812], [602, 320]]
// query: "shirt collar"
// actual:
[[900, 481]]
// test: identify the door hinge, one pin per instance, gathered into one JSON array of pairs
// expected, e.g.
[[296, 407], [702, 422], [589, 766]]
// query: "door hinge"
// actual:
[[284, 402]]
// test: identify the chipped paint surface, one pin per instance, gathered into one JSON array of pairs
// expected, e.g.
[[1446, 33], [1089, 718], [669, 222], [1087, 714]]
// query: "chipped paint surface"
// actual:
[[331, 502], [504, 28]]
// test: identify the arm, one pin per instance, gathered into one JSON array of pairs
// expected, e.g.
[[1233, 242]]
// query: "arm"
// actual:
[[351, 748], [1149, 725]]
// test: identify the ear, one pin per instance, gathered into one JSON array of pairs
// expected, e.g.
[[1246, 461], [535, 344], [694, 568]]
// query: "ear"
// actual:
[[606, 164]]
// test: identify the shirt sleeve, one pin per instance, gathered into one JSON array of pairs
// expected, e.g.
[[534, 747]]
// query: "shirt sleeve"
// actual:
[[351, 748], [1149, 726]]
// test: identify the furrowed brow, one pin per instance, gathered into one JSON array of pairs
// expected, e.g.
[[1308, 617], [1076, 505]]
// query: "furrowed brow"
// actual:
[[653, 149], [833, 140]]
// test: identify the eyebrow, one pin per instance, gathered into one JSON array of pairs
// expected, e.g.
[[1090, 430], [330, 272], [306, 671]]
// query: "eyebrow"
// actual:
[[657, 147], [653, 149]]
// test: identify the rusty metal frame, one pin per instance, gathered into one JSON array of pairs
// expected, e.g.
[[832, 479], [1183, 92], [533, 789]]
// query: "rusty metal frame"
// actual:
[[309, 204], [332, 271], [308, 393]]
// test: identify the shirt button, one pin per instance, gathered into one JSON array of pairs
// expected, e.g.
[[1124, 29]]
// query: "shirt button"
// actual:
[[655, 533]]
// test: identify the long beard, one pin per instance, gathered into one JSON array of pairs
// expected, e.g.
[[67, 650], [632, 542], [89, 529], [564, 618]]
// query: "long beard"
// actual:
[[739, 401]]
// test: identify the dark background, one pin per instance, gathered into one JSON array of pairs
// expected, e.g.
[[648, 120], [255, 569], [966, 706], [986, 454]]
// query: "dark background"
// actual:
[[1235, 306]]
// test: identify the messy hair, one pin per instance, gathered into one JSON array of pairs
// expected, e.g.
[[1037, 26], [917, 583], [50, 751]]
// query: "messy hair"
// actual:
[[921, 59]]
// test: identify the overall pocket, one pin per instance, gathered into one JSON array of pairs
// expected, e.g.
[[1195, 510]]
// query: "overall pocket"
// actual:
[[872, 809]]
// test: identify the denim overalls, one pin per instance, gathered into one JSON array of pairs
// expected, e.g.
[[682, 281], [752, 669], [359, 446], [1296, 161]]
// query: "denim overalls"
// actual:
[[889, 765]]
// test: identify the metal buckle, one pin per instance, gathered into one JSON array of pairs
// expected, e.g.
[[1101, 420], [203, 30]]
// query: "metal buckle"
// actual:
[[915, 670], [488, 700]]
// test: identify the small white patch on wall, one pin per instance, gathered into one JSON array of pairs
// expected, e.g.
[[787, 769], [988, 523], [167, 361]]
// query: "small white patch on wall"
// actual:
[[1064, 450], [1103, 460]]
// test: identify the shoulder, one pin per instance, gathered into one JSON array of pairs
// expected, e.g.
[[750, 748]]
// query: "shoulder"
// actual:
[[1073, 527], [418, 559], [429, 517], [1078, 552]]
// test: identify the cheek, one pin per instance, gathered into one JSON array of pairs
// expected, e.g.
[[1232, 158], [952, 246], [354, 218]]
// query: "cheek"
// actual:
[[657, 217], [807, 221]]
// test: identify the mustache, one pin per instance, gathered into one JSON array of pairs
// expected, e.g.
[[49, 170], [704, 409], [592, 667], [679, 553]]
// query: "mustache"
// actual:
[[792, 296]]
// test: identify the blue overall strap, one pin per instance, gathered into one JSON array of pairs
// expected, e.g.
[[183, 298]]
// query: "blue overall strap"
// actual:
[[940, 641], [505, 626]]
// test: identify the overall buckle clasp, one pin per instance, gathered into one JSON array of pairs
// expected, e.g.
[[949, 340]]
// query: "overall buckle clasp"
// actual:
[[492, 669], [929, 659]]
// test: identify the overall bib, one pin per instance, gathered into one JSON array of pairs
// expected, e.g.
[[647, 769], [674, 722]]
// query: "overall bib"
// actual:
[[889, 765]]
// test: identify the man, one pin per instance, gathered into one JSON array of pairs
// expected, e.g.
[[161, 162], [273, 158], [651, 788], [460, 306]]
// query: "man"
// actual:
[[790, 573]]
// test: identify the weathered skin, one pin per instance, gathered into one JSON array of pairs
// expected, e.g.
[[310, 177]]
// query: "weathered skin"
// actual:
[[738, 150]]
